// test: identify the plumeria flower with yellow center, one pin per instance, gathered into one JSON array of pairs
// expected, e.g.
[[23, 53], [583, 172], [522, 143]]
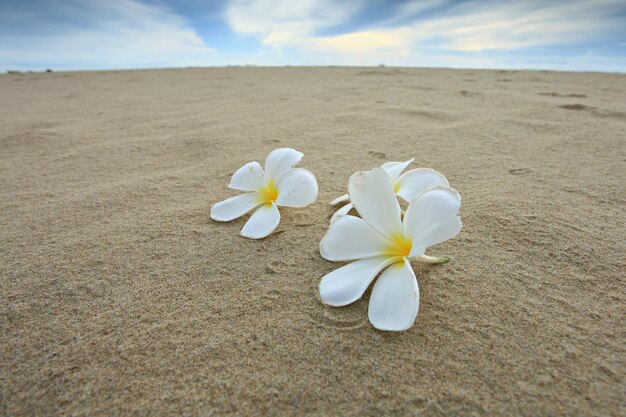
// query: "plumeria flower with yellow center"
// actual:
[[280, 184], [381, 239], [407, 186]]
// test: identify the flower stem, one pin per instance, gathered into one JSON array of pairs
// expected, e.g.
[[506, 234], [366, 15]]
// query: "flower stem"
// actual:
[[435, 260]]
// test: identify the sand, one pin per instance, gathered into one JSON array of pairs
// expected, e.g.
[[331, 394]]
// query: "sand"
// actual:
[[119, 295]]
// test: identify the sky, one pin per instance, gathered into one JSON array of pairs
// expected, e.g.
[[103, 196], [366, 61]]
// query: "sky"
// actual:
[[571, 35]]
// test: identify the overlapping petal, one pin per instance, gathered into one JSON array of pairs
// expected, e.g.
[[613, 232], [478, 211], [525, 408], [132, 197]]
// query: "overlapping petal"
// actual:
[[395, 299], [249, 177], [234, 207], [342, 212], [394, 169], [340, 199], [412, 183], [347, 284], [279, 161], [372, 194], [296, 188], [432, 218], [262, 222], [349, 238]]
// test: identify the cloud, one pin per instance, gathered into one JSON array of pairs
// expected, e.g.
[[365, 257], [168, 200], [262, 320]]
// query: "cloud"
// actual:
[[364, 42], [416, 31], [287, 22], [478, 26], [99, 34]]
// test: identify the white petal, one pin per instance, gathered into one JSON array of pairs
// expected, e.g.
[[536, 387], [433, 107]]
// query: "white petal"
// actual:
[[412, 183], [347, 284], [372, 194], [262, 222], [394, 169], [350, 237], [234, 207], [342, 212], [432, 218], [249, 177], [341, 199], [395, 299], [280, 161], [296, 188]]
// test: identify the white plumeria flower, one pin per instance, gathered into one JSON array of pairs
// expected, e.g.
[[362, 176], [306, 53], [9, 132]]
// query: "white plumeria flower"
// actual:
[[406, 186], [381, 239], [279, 185]]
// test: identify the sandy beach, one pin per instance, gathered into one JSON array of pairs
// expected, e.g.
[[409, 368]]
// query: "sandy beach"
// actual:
[[120, 296]]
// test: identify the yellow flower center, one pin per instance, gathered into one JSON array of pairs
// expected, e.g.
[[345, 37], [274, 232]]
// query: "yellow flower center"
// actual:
[[396, 187], [400, 246], [269, 193]]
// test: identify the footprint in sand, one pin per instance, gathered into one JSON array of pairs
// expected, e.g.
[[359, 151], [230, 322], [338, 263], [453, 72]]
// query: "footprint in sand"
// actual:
[[351, 318], [439, 116], [575, 106], [303, 219], [380, 155], [595, 111], [466, 93], [277, 267], [551, 94], [519, 171]]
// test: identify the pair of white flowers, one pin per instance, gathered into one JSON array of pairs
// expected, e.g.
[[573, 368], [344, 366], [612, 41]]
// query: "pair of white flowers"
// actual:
[[383, 238]]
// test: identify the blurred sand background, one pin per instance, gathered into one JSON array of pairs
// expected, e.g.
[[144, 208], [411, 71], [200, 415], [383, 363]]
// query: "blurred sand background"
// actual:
[[119, 296]]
